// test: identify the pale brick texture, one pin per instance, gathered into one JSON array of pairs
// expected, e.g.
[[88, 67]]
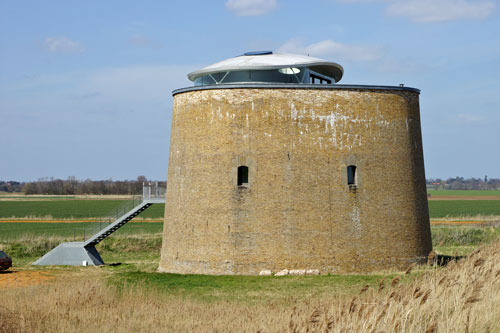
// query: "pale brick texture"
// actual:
[[297, 211]]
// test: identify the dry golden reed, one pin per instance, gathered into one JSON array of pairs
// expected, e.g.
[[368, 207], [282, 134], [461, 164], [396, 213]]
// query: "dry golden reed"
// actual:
[[462, 297]]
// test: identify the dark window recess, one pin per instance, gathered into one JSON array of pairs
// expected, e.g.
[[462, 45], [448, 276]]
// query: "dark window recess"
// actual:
[[351, 175], [242, 175], [316, 79]]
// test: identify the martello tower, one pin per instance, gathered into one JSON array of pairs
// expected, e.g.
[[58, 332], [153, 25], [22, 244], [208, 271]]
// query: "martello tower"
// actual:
[[273, 165]]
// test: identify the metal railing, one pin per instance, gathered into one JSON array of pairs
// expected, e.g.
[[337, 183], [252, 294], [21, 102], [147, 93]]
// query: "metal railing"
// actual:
[[150, 191], [153, 191]]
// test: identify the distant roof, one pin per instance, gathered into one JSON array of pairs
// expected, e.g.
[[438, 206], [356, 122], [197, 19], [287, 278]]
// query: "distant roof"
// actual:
[[261, 60]]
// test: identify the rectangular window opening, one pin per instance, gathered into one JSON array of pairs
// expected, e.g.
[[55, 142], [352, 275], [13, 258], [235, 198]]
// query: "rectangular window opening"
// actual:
[[242, 175], [351, 175]]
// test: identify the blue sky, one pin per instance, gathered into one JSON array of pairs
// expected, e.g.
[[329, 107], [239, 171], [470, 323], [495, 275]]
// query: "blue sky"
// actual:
[[85, 86]]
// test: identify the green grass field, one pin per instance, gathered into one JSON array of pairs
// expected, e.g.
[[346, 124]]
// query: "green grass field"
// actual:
[[143, 239], [448, 241], [464, 193], [9, 231], [67, 209], [250, 289], [458, 208], [81, 209], [58, 209]]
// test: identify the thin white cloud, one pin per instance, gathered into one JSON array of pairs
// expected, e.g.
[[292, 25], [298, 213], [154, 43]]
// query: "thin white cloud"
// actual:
[[440, 10], [332, 49], [251, 7], [63, 45], [120, 87], [110, 103], [470, 118], [139, 40], [137, 82], [425, 11]]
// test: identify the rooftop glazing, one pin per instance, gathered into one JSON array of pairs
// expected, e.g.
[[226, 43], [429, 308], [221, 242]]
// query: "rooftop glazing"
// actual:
[[269, 67]]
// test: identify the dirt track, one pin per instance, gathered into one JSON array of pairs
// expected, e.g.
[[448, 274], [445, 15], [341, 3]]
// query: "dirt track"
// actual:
[[16, 279], [450, 222]]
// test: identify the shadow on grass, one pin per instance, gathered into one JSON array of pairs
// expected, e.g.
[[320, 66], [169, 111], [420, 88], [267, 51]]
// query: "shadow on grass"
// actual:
[[443, 260], [6, 272]]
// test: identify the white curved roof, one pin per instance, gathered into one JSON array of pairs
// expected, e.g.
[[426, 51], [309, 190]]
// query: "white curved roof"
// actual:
[[268, 60]]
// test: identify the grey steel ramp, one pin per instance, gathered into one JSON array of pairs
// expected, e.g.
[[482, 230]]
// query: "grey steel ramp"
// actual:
[[72, 254], [84, 253]]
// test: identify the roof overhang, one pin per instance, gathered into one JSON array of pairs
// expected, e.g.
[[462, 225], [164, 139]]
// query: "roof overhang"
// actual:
[[270, 62]]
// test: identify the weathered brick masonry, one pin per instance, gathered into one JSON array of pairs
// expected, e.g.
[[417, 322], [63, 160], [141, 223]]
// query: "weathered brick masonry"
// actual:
[[297, 211]]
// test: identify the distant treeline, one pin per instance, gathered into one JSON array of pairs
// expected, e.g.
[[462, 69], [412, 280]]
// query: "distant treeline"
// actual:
[[11, 186], [461, 183], [72, 186]]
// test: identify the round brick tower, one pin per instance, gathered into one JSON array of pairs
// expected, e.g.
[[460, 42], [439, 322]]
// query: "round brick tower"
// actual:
[[273, 165]]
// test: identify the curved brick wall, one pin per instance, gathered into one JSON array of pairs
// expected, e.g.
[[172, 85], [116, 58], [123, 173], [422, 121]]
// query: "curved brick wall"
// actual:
[[297, 211]]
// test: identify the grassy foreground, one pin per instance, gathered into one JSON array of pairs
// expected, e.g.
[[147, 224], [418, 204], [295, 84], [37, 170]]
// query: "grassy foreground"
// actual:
[[133, 297], [461, 297]]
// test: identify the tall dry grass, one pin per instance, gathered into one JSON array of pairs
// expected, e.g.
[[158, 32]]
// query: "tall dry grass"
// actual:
[[30, 245], [463, 297]]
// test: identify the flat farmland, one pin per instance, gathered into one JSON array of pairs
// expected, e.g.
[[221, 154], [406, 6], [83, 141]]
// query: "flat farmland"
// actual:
[[465, 193], [86, 209], [464, 203], [71, 231], [463, 208], [74, 209]]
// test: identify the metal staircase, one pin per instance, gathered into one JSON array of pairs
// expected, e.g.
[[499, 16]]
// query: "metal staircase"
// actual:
[[84, 253]]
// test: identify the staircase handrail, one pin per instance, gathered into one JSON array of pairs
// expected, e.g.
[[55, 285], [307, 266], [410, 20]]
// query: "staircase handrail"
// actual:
[[149, 191]]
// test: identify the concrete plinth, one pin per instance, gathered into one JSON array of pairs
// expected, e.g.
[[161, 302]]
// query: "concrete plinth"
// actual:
[[72, 254]]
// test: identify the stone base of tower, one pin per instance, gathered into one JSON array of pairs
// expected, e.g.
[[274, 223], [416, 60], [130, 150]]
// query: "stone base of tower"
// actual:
[[353, 265]]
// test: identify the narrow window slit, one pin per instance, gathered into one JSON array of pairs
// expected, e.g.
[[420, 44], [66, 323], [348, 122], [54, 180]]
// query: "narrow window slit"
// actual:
[[242, 175], [351, 175]]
